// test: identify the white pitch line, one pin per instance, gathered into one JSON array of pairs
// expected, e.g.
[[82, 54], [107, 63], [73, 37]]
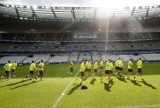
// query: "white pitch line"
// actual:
[[62, 94]]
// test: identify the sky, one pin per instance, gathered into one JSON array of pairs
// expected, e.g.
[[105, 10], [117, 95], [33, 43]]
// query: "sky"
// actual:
[[83, 3]]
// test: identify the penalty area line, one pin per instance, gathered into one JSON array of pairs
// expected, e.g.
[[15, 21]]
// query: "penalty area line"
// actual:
[[63, 93]]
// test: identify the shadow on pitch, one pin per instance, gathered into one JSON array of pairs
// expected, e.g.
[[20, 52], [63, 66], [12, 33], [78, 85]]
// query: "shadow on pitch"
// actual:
[[92, 81], [107, 86], [74, 88], [32, 82], [135, 82], [16, 83], [149, 85], [121, 78]]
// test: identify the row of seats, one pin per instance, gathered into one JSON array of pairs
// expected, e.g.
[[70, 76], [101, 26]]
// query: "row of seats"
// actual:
[[76, 57]]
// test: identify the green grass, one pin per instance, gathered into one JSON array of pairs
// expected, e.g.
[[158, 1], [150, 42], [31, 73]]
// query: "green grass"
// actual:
[[22, 93]]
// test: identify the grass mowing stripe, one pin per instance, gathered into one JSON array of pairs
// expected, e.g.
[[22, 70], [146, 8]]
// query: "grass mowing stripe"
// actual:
[[62, 94], [145, 106]]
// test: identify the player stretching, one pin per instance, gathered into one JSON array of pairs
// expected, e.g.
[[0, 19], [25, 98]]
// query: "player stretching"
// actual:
[[40, 68], [130, 70], [108, 70], [7, 68], [13, 68], [32, 68], [71, 67], [139, 66]]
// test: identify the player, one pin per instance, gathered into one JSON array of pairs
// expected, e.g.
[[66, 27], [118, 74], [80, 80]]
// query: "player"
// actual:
[[7, 68], [130, 70], [40, 68], [82, 71], [32, 68], [95, 66], [71, 67], [120, 66], [117, 66], [101, 66], [112, 66], [139, 66], [88, 67], [13, 68], [108, 69]]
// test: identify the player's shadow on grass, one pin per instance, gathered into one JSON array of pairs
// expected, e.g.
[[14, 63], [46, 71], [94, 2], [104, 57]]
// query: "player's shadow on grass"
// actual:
[[135, 82], [107, 86], [16, 83], [1, 81], [32, 82], [92, 81], [74, 88], [121, 78], [149, 85]]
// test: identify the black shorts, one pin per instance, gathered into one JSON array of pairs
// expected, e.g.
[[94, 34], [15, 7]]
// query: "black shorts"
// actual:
[[7, 73], [41, 72], [117, 68], [13, 70], [95, 70], [130, 70], [82, 74], [31, 72], [101, 67], [120, 68], [89, 70], [71, 69], [107, 71], [139, 70]]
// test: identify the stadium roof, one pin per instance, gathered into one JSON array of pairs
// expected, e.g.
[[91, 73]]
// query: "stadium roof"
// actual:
[[83, 3], [41, 12]]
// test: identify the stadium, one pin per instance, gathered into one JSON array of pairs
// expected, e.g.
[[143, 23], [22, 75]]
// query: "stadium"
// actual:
[[62, 36]]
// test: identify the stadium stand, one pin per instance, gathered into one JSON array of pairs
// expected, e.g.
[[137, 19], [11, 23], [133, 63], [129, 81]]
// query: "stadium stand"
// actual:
[[151, 57], [59, 59], [125, 57], [18, 59], [84, 56]]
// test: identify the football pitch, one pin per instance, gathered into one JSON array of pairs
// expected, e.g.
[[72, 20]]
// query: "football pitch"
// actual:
[[58, 89]]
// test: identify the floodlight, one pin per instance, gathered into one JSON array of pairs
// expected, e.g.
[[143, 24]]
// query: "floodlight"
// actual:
[[35, 6]]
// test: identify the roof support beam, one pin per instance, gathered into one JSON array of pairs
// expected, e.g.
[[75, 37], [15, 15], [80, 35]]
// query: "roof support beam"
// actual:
[[95, 11], [73, 13], [33, 13], [53, 13], [133, 11], [18, 16], [147, 12]]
